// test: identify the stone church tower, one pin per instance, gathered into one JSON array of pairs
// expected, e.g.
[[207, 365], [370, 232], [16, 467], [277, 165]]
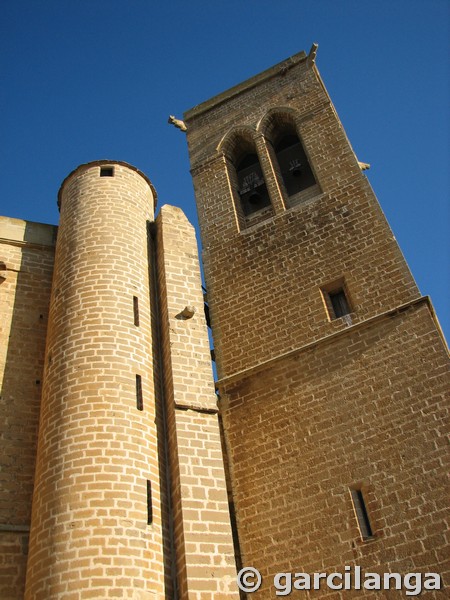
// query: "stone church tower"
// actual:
[[122, 473], [332, 367]]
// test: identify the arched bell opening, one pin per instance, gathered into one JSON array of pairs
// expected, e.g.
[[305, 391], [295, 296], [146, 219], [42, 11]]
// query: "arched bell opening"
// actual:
[[293, 163], [251, 186]]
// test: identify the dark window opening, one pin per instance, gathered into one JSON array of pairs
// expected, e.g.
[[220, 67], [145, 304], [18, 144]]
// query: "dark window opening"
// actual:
[[136, 310], [149, 503], [252, 188], [139, 398], [339, 303], [207, 314], [294, 166], [106, 171], [361, 514]]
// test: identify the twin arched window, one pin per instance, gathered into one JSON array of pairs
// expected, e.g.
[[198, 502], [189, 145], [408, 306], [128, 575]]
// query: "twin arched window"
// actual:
[[289, 161]]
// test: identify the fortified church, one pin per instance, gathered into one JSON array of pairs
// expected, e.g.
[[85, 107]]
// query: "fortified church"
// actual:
[[125, 470]]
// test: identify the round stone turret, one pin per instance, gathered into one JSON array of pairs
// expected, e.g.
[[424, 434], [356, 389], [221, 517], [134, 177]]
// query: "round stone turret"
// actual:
[[96, 523]]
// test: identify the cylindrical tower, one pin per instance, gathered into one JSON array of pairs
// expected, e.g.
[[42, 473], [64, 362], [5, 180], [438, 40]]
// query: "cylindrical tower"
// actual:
[[96, 522]]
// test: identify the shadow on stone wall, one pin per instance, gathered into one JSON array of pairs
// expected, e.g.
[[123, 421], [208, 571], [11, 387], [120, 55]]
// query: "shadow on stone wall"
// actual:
[[161, 423]]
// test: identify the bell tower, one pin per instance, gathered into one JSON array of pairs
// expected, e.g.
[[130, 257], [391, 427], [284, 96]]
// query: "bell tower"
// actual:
[[330, 362]]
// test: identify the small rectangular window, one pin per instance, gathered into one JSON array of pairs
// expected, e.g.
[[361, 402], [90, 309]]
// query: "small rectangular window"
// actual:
[[106, 171], [336, 300], [339, 303], [149, 503], [139, 399], [136, 310], [361, 514]]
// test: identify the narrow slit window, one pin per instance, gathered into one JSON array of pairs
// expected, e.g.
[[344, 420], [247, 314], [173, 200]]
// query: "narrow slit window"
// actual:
[[139, 399], [361, 514], [106, 171], [149, 503], [136, 310]]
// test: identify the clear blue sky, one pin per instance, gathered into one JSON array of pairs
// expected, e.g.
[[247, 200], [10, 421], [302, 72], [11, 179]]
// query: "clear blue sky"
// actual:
[[89, 79]]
